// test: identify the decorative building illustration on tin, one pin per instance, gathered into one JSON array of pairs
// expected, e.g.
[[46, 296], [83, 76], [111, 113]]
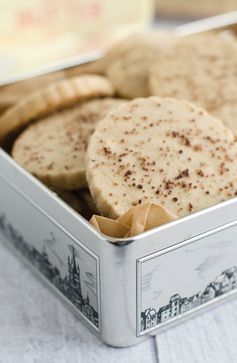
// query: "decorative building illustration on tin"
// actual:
[[177, 305], [66, 276]]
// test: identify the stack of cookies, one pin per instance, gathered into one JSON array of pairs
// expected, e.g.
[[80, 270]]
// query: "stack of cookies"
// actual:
[[156, 124], [54, 126]]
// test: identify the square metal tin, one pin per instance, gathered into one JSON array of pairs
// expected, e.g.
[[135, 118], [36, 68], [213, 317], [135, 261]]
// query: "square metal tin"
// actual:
[[127, 289]]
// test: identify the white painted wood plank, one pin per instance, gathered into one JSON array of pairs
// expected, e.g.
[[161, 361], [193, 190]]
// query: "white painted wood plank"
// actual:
[[207, 338], [36, 327]]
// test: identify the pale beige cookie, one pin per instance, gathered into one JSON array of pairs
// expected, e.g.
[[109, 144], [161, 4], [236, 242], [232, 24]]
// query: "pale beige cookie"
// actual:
[[13, 93], [56, 96], [162, 151], [53, 149], [130, 73], [128, 63], [201, 70]]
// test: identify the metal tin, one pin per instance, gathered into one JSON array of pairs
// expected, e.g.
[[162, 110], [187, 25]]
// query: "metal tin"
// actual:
[[128, 290]]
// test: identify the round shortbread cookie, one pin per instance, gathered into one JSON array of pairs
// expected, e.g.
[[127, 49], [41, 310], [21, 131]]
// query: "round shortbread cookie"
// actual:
[[128, 63], [201, 70], [56, 96], [129, 74], [14, 92], [53, 149], [163, 151]]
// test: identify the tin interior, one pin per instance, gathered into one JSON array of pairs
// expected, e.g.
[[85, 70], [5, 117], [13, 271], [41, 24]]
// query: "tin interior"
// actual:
[[220, 23]]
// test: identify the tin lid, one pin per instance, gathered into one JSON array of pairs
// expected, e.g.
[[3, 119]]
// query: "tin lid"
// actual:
[[40, 36]]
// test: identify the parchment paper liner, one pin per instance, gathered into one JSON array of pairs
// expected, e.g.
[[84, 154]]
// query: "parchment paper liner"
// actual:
[[136, 220]]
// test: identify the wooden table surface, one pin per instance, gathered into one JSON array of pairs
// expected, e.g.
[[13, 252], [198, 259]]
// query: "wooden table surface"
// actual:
[[35, 327]]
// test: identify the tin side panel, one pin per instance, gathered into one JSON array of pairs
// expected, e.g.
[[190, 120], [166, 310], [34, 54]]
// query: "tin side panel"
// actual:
[[180, 280], [64, 261]]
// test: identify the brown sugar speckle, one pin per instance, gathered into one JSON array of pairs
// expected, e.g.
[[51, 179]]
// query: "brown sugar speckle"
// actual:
[[183, 174], [200, 172], [190, 207]]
